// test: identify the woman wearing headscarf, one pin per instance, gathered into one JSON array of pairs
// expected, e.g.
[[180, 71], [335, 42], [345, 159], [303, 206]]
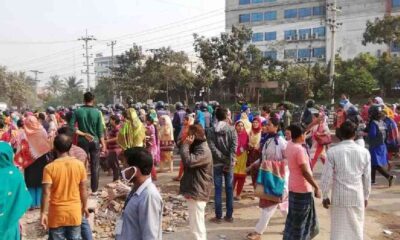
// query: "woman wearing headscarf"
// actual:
[[166, 136], [133, 133], [245, 119], [32, 154], [239, 171], [14, 197], [187, 122], [151, 143], [254, 145], [273, 157]]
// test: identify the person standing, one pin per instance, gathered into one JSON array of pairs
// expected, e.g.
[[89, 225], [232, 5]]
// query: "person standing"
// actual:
[[254, 151], [189, 120], [222, 140], [15, 198], [301, 222], [166, 136], [196, 182], [320, 130], [348, 173], [90, 133], [113, 149], [239, 171], [376, 141], [142, 213], [62, 210], [178, 119]]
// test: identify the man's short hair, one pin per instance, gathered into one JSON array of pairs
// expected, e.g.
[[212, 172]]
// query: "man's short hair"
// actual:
[[221, 114], [296, 131], [42, 116], [198, 131], [266, 109], [140, 158], [20, 123], [62, 143], [88, 97], [347, 130], [66, 130]]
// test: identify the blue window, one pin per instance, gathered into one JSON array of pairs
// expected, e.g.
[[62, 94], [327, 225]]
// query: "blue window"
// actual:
[[305, 12], [290, 53], [269, 0], [319, 32], [244, 18], [257, 1], [269, 16], [304, 53], [270, 36], [304, 33], [319, 11], [258, 37], [244, 2], [271, 54], [290, 34], [257, 17], [290, 13], [396, 3], [319, 52]]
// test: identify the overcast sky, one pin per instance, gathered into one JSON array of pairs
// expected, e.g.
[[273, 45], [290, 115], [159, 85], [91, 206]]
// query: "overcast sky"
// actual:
[[42, 35]]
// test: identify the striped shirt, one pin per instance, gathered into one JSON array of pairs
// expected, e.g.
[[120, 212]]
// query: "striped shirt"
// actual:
[[348, 173]]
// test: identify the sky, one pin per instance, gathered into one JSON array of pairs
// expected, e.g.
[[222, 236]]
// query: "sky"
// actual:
[[42, 35]]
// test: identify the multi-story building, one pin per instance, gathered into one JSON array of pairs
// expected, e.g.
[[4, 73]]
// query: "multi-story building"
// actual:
[[102, 66], [297, 30]]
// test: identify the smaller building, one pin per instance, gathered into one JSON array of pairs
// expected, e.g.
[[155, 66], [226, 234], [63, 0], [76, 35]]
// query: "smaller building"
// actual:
[[103, 65]]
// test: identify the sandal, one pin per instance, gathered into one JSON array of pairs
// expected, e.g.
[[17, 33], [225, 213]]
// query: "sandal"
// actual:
[[253, 236]]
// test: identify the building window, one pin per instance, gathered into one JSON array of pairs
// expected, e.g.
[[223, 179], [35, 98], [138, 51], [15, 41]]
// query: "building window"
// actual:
[[270, 36], [290, 34], [319, 32], [304, 53], [269, 16], [256, 17], [290, 53], [257, 1], [319, 52], [244, 2], [395, 3], [258, 37], [290, 13], [244, 18], [269, 1], [305, 12], [271, 54], [304, 34], [319, 11]]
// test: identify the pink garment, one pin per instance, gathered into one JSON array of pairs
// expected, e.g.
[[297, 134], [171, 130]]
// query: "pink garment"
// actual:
[[242, 142], [297, 156], [152, 145]]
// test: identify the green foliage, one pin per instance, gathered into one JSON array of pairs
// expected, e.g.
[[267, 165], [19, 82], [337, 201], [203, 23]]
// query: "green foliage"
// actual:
[[386, 30]]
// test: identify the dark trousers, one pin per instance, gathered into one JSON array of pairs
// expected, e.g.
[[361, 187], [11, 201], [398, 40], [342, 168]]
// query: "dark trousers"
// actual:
[[93, 150], [114, 164], [381, 170]]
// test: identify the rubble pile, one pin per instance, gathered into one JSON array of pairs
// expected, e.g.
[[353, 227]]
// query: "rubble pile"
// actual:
[[107, 208]]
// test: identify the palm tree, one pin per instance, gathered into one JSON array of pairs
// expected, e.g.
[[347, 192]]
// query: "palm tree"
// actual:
[[73, 83], [55, 85]]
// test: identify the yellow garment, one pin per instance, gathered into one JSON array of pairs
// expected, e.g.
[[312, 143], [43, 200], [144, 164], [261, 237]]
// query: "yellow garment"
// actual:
[[389, 112], [166, 130], [65, 174], [254, 140], [240, 166], [247, 124], [133, 132]]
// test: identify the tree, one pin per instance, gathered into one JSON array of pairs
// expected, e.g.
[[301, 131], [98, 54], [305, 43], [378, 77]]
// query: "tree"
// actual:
[[386, 30], [72, 82], [55, 85]]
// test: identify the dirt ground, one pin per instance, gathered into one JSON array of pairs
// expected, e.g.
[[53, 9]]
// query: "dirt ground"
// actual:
[[383, 213]]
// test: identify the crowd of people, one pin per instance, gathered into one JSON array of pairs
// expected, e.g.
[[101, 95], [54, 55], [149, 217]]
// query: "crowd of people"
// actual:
[[46, 158]]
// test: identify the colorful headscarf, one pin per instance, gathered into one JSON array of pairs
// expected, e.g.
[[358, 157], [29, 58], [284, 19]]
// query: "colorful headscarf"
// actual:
[[245, 119], [255, 134], [37, 137], [14, 196], [133, 132], [243, 139], [166, 130]]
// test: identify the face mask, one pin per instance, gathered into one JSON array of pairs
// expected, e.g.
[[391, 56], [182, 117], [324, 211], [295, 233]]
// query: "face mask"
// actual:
[[127, 174]]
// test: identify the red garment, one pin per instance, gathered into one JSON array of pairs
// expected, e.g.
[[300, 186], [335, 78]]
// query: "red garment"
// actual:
[[257, 130], [364, 112], [238, 183], [340, 118]]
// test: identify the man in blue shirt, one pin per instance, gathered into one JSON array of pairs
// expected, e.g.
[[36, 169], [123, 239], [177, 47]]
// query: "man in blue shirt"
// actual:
[[142, 214]]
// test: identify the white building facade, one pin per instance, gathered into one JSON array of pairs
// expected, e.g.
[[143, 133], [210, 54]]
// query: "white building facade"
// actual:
[[102, 66], [296, 30]]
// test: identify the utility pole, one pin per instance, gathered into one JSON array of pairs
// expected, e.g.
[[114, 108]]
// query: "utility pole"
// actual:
[[36, 72], [87, 39], [333, 26], [112, 44]]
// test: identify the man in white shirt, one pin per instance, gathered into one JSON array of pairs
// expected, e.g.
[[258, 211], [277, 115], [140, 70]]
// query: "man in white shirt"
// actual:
[[348, 173]]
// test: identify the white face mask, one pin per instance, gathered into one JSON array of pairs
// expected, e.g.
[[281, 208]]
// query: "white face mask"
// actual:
[[124, 172]]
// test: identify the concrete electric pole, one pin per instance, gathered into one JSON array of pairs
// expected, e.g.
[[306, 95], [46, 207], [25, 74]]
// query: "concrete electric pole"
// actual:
[[331, 21], [112, 44], [36, 72], [87, 39]]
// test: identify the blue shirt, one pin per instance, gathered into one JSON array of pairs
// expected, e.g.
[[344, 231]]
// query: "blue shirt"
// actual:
[[142, 216]]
